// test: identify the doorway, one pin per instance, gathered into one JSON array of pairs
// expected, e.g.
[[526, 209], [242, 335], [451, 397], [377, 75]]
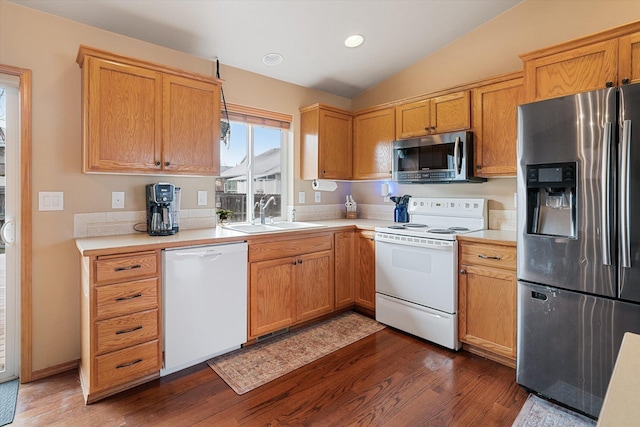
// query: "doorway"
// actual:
[[17, 227], [9, 219]]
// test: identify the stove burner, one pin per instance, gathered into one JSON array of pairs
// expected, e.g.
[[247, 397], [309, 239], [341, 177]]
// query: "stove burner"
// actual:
[[396, 227], [459, 228], [442, 231], [415, 225]]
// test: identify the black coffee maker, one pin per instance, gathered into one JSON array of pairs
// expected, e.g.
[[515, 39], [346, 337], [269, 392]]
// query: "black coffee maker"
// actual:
[[160, 217]]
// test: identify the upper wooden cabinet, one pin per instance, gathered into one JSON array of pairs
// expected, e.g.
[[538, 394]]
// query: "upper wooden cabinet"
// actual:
[[141, 117], [374, 131], [441, 114], [326, 142], [608, 58], [495, 123]]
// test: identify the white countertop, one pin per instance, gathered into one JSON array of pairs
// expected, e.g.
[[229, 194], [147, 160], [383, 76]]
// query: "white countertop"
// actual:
[[205, 236], [620, 407], [202, 236]]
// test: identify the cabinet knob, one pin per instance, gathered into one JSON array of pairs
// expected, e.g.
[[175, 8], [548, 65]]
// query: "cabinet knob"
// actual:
[[324, 172], [157, 163], [294, 262], [299, 261], [433, 128], [463, 272], [167, 163], [478, 167], [609, 84], [626, 81]]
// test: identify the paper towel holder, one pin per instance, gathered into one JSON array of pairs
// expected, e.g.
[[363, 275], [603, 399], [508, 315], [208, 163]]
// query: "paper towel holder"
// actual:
[[324, 185]]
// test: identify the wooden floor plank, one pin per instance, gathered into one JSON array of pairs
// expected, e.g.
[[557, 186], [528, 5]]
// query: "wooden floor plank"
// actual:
[[388, 378]]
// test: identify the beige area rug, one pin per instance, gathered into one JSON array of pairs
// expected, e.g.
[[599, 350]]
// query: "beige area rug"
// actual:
[[247, 368], [538, 412]]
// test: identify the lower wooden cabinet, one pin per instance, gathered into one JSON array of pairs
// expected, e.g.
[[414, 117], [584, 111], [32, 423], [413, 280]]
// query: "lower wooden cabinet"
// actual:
[[487, 300], [365, 258], [344, 262], [290, 281], [121, 322]]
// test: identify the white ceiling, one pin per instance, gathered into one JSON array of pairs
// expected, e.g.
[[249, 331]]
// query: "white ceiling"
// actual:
[[308, 33]]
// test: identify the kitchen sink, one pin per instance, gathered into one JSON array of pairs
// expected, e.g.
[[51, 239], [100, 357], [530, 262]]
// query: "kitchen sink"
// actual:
[[271, 228]]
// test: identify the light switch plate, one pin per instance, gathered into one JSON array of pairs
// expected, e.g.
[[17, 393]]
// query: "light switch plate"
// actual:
[[318, 197], [301, 197], [117, 200], [50, 200], [202, 198]]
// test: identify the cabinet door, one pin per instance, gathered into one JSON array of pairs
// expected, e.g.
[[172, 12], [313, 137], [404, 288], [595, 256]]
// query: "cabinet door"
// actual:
[[344, 260], [191, 134], [413, 119], [314, 285], [366, 272], [335, 145], [577, 70], [487, 309], [495, 123], [629, 53], [451, 112], [374, 132], [123, 117], [272, 295]]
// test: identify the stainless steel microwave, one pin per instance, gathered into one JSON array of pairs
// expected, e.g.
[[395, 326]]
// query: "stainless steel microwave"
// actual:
[[447, 157]]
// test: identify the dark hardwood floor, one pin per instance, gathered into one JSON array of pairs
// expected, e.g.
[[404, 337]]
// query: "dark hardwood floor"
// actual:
[[386, 379]]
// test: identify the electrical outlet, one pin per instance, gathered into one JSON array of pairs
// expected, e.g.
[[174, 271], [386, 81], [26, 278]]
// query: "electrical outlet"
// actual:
[[301, 197], [202, 198], [387, 199], [318, 197], [117, 200]]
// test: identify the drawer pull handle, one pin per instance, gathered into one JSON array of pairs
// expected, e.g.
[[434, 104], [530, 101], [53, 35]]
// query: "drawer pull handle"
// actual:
[[497, 258], [126, 331], [124, 365], [131, 267], [129, 297]]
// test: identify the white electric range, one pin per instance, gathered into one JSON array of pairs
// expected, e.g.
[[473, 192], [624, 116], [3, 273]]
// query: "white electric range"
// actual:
[[416, 267]]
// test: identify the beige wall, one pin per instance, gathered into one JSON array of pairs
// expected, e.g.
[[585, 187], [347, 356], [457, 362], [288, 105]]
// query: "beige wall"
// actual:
[[491, 50], [48, 45]]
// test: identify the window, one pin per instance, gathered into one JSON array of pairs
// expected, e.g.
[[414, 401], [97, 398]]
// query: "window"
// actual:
[[253, 167]]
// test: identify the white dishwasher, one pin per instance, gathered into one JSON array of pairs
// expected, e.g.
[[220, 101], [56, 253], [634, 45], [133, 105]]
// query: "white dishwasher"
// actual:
[[204, 298]]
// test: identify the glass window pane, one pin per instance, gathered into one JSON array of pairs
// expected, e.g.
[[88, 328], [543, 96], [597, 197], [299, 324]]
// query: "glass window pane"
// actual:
[[231, 187], [267, 181]]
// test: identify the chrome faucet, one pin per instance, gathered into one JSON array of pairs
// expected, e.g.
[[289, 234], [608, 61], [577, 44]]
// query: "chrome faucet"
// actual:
[[263, 205]]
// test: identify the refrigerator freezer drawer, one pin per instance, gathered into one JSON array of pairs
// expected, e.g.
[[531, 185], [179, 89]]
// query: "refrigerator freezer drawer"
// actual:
[[568, 343], [432, 325]]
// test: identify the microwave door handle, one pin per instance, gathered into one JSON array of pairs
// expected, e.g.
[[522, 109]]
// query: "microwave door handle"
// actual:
[[456, 156], [606, 196], [624, 194]]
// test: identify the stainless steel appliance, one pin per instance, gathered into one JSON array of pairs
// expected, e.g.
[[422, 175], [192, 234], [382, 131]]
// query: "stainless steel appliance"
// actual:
[[447, 157], [416, 267], [578, 251], [161, 202]]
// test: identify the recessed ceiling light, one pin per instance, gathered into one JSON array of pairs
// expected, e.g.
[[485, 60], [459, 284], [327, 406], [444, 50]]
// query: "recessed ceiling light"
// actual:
[[354, 40], [272, 59]]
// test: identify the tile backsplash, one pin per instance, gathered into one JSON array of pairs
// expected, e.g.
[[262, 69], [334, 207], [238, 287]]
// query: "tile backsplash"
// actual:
[[114, 223]]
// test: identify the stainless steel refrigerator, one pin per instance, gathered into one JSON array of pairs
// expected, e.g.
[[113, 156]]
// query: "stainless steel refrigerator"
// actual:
[[578, 241]]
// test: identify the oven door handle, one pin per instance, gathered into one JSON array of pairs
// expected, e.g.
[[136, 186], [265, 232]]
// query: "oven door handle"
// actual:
[[444, 246]]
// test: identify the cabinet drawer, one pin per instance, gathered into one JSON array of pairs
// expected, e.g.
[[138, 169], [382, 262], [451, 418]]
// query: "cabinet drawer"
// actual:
[[126, 365], [124, 331], [287, 248], [490, 255], [118, 269], [126, 298]]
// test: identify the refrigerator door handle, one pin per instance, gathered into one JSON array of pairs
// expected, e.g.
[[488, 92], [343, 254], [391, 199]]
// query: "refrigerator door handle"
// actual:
[[606, 196], [625, 148]]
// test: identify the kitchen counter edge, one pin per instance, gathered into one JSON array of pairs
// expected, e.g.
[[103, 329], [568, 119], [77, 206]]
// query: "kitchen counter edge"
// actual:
[[138, 242], [497, 237]]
